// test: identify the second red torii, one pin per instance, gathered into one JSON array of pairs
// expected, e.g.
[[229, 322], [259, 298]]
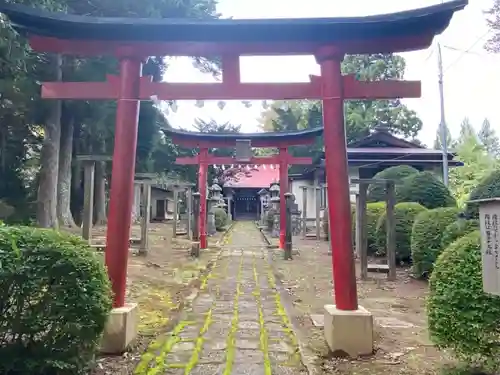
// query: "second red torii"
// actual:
[[205, 141]]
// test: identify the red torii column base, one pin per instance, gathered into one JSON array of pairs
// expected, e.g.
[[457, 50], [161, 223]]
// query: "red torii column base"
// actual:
[[348, 327]]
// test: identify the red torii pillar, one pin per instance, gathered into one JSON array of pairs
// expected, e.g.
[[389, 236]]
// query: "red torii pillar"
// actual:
[[337, 178], [204, 159]]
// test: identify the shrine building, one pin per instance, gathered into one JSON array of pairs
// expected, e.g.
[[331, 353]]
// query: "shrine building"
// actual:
[[366, 157]]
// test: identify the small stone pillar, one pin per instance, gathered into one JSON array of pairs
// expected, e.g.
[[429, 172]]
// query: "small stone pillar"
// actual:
[[275, 203], [136, 206], [189, 207], [318, 212], [263, 196], [88, 162], [145, 217], [213, 200], [195, 245], [304, 211], [88, 200], [229, 196], [289, 198], [176, 211]]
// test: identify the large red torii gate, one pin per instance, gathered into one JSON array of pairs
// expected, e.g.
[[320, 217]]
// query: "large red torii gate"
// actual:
[[205, 141], [132, 41]]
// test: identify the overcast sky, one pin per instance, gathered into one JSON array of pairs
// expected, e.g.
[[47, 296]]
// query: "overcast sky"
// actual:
[[472, 76]]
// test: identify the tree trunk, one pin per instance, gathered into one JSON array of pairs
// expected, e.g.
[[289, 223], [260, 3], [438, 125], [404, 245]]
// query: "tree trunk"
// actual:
[[100, 190], [64, 214], [49, 160]]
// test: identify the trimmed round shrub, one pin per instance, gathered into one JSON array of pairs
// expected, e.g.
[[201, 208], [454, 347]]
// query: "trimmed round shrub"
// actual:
[[461, 316], [376, 192], [458, 229], [488, 187], [220, 218], [426, 189], [373, 212], [326, 228], [55, 301], [427, 236], [404, 215]]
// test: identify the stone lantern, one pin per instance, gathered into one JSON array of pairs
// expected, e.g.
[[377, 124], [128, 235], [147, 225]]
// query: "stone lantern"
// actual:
[[263, 197], [229, 196], [214, 198], [274, 191]]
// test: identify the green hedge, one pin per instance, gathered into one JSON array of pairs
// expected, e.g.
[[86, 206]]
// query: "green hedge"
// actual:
[[426, 238], [54, 304], [458, 229], [426, 189], [220, 218], [404, 215], [373, 213], [461, 316], [326, 228], [376, 192], [489, 187]]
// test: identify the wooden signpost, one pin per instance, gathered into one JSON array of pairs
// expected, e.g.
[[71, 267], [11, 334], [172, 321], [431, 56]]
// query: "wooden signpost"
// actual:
[[489, 215]]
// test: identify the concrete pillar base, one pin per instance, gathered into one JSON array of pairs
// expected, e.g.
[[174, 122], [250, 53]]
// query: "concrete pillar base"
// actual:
[[349, 332], [121, 329]]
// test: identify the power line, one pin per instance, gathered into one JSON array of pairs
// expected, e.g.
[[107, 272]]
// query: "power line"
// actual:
[[468, 50]]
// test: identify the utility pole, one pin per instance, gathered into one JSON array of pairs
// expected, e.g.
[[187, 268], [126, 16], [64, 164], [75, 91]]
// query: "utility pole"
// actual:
[[442, 124]]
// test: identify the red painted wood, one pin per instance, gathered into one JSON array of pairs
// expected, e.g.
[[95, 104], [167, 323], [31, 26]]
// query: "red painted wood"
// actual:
[[222, 160], [231, 74], [284, 156], [122, 178], [232, 90], [202, 188], [339, 214], [193, 143], [96, 48]]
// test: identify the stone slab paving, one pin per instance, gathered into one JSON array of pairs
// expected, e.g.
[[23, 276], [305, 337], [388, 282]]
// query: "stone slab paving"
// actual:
[[236, 326]]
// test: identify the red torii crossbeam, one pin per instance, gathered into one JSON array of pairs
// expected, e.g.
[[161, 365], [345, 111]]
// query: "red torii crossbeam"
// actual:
[[231, 90]]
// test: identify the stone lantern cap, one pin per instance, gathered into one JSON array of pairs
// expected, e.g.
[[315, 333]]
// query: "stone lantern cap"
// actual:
[[263, 192]]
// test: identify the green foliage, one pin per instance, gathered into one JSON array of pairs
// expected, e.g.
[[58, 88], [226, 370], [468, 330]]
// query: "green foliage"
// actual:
[[427, 236], [54, 304], [361, 116], [426, 189], [377, 192], [326, 227], [477, 165], [458, 229], [461, 316], [373, 213], [404, 215], [489, 139], [488, 187], [220, 218]]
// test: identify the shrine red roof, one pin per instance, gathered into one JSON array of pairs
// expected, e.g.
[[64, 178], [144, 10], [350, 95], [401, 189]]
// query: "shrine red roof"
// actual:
[[256, 179], [397, 32]]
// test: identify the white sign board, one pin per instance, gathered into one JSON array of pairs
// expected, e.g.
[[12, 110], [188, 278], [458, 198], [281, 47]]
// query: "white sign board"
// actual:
[[489, 218]]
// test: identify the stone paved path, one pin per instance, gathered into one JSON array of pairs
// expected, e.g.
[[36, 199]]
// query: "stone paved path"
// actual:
[[237, 325]]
